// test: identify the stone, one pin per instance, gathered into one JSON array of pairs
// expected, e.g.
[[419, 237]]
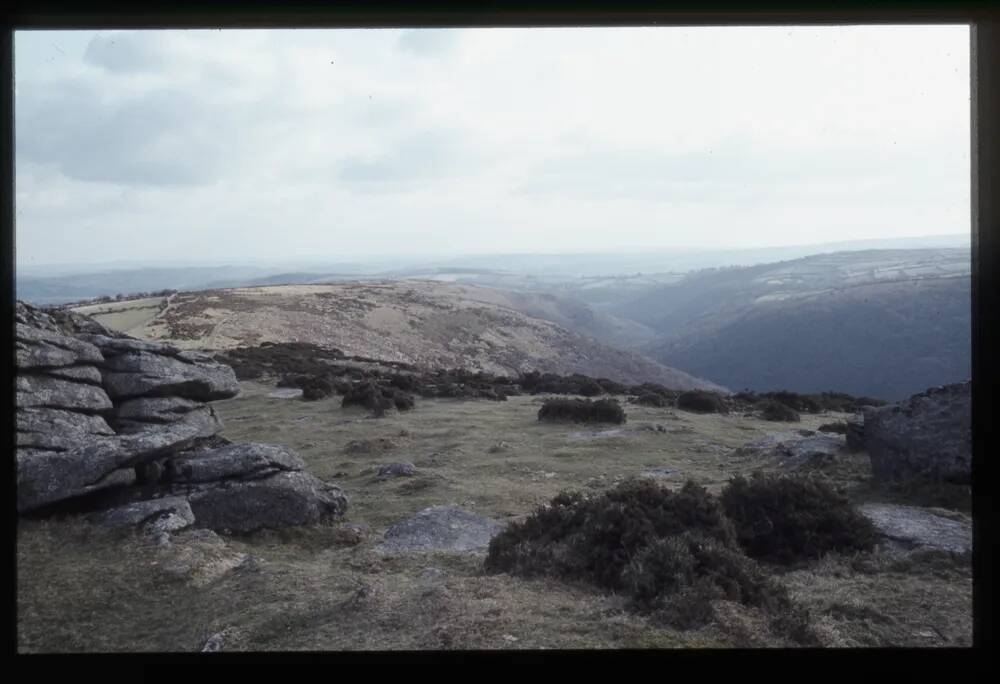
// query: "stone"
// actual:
[[43, 391], [44, 477], [38, 348], [58, 430], [133, 374], [244, 461], [156, 409], [910, 528], [659, 472], [396, 470], [927, 436], [440, 528], [86, 374], [854, 433], [793, 449], [115, 346], [167, 514], [282, 500]]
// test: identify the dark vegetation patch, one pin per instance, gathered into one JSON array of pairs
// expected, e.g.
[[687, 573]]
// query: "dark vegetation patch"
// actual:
[[671, 553], [807, 403], [582, 411], [320, 371], [791, 519], [776, 411], [376, 398], [700, 401], [651, 399], [833, 428]]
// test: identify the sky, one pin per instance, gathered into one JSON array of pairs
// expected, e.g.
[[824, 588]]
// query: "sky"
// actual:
[[238, 145]]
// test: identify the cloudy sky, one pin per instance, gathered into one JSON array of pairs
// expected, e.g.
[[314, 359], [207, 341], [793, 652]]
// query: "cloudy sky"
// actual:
[[265, 145]]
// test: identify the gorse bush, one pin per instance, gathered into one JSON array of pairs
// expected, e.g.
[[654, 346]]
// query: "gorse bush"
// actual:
[[376, 398], [651, 399], [672, 553], [700, 401], [582, 411], [776, 411], [790, 519]]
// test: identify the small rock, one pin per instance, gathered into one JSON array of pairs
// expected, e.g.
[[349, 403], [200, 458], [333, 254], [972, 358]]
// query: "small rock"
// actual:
[[396, 470], [166, 514], [659, 472], [440, 528]]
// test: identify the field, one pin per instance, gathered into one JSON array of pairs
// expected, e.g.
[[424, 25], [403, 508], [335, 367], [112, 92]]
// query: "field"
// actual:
[[127, 316], [326, 588]]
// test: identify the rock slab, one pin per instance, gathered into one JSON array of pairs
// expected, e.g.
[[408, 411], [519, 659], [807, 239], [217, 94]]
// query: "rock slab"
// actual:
[[911, 528], [440, 528]]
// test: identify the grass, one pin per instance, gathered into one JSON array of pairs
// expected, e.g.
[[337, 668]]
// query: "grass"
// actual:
[[83, 589]]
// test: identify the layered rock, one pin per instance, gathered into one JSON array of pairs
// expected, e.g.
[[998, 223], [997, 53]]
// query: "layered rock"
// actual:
[[96, 410], [927, 436]]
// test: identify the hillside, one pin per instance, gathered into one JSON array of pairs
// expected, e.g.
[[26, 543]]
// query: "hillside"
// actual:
[[424, 323], [879, 323]]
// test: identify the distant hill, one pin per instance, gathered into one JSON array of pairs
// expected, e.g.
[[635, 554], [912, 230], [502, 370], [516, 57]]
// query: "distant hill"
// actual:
[[426, 323], [881, 323]]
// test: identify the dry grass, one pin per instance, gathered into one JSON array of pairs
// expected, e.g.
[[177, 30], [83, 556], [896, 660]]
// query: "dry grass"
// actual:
[[82, 589]]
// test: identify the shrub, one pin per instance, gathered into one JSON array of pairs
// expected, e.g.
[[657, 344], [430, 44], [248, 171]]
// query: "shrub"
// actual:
[[792, 400], [376, 398], [317, 388], [784, 519], [835, 428], [407, 383], [582, 411], [671, 552], [591, 389], [651, 399], [776, 411], [700, 401]]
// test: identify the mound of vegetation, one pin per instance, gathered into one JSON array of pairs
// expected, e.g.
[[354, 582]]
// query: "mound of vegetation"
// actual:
[[583, 411], [700, 401], [786, 520], [377, 398], [776, 411], [651, 399], [833, 428], [806, 403], [281, 359], [672, 553], [591, 389]]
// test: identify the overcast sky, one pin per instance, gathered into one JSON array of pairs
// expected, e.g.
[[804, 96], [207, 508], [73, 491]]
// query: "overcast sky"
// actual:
[[241, 145]]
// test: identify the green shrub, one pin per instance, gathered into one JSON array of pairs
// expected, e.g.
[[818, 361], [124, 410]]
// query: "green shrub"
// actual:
[[776, 411], [582, 410], [651, 399], [672, 553], [790, 519], [591, 389], [700, 401]]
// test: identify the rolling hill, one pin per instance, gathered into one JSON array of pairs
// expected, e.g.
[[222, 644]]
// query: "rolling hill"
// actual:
[[425, 323], [881, 323]]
